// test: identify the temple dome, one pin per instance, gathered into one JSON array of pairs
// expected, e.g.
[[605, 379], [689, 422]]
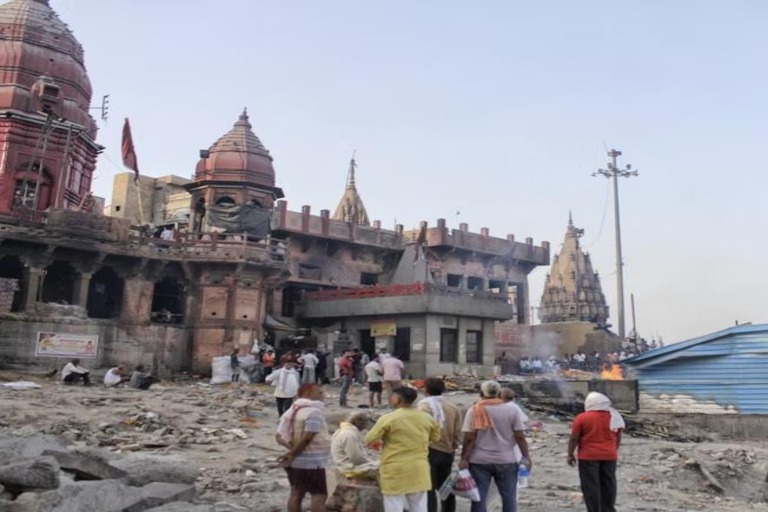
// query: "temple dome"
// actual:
[[238, 156], [38, 52]]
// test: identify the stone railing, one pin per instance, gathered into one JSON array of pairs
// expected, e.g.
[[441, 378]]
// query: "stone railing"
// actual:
[[399, 290]]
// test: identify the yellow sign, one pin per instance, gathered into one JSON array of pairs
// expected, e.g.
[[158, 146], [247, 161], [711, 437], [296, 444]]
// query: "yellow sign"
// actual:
[[383, 328]]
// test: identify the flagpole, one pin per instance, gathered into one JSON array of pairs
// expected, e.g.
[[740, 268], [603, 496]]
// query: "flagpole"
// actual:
[[137, 181]]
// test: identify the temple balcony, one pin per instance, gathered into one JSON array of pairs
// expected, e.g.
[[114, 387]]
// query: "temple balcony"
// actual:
[[405, 299]]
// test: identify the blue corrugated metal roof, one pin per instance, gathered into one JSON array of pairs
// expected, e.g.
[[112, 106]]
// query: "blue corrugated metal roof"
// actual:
[[661, 353], [727, 367]]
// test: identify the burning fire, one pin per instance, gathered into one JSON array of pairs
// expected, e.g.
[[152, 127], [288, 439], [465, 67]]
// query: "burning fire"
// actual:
[[611, 372]]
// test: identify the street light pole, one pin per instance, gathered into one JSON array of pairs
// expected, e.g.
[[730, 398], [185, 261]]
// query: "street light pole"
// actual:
[[615, 173]]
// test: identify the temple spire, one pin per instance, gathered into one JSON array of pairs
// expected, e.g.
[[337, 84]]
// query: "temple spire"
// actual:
[[572, 291], [351, 207], [351, 173]]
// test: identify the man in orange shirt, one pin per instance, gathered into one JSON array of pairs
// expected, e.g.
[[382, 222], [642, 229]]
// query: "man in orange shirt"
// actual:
[[596, 435], [268, 359]]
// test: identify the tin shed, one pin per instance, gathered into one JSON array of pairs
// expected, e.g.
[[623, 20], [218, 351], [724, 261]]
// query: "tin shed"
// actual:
[[725, 372]]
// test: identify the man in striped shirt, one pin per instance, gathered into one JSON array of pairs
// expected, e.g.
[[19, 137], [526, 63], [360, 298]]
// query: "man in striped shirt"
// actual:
[[304, 432]]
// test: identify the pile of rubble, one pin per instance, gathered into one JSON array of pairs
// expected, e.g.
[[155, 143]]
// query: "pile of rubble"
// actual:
[[39, 474]]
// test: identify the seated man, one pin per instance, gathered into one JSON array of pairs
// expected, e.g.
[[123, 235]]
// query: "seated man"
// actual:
[[140, 379], [73, 372], [348, 451], [114, 376]]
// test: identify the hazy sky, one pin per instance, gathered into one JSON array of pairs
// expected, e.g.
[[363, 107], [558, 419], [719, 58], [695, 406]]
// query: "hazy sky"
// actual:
[[493, 113]]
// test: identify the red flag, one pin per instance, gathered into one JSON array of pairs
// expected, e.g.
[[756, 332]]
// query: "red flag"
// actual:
[[129, 152]]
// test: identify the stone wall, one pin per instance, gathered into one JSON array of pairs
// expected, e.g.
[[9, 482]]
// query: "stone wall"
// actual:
[[556, 338], [164, 348]]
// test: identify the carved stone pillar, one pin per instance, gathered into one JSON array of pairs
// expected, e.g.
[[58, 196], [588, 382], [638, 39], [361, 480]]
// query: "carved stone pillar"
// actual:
[[82, 285]]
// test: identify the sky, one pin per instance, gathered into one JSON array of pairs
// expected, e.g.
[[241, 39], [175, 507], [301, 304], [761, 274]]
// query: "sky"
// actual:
[[493, 113]]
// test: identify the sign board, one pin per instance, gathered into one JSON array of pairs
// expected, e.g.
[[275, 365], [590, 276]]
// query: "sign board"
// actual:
[[383, 328], [60, 344]]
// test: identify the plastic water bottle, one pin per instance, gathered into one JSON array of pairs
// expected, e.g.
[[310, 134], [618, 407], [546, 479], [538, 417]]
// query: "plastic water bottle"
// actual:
[[523, 474]]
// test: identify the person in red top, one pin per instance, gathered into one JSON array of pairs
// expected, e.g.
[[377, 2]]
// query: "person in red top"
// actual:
[[347, 372], [596, 435]]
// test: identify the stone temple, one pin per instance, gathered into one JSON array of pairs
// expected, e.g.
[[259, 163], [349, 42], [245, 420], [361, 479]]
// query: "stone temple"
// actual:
[[239, 264], [572, 292]]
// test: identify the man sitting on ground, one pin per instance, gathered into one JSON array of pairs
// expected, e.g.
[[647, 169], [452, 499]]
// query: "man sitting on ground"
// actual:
[[114, 376], [73, 373], [141, 379], [348, 449]]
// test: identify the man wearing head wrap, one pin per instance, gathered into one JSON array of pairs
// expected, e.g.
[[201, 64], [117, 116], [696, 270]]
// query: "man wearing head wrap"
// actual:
[[596, 436]]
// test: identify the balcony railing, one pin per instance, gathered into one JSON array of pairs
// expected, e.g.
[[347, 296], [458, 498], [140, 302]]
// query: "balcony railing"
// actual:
[[206, 245], [398, 290]]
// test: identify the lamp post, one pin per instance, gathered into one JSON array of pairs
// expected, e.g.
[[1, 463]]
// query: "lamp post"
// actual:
[[614, 172]]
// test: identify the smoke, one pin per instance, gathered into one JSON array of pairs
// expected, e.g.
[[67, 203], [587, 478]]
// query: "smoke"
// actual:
[[545, 343]]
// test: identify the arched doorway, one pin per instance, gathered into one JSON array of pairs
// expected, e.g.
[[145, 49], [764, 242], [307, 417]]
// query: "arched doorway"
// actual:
[[105, 294], [59, 283], [11, 267]]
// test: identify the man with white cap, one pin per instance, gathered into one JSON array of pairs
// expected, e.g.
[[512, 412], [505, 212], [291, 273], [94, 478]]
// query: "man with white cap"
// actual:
[[596, 436]]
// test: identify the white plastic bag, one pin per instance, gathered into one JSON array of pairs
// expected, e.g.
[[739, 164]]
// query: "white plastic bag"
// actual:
[[221, 370], [447, 487], [465, 486]]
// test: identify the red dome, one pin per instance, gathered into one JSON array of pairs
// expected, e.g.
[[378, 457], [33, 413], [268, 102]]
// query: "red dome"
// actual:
[[37, 49], [238, 156]]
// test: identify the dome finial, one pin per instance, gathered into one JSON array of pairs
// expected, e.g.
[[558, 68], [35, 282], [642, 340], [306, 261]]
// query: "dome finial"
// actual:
[[243, 119]]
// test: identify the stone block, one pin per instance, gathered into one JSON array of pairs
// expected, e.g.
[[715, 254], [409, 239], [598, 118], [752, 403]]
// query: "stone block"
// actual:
[[355, 496], [180, 506], [101, 495], [104, 496], [144, 469], [19, 447], [159, 493], [37, 473], [85, 467]]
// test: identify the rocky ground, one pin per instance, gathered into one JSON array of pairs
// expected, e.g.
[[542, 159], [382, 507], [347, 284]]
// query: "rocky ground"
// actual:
[[221, 439]]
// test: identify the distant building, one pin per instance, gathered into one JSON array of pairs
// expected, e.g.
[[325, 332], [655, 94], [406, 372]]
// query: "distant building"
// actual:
[[163, 200], [572, 292]]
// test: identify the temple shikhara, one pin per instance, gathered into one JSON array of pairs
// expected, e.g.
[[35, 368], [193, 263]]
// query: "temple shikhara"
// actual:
[[572, 292], [177, 271]]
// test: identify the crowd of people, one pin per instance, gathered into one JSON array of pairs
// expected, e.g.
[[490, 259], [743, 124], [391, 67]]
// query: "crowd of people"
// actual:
[[418, 442], [384, 371]]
